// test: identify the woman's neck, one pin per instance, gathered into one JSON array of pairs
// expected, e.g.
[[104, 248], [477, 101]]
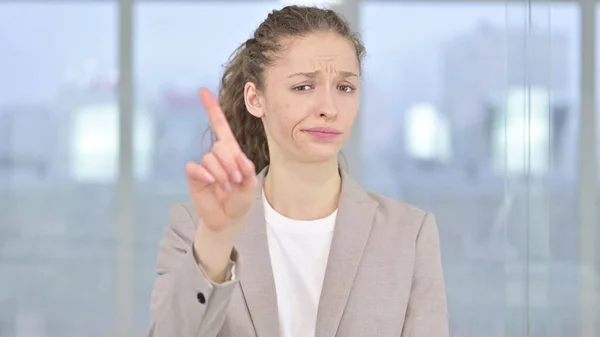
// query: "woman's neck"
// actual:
[[303, 191]]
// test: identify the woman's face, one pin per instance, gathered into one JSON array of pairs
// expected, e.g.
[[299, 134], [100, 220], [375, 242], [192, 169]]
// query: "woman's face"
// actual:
[[310, 98]]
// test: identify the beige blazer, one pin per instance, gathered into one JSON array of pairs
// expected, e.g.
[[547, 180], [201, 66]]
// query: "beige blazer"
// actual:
[[383, 277]]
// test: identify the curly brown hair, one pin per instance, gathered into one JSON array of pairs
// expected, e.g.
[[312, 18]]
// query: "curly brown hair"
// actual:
[[249, 61]]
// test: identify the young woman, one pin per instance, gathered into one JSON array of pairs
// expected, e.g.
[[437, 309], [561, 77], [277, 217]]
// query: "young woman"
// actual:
[[278, 239]]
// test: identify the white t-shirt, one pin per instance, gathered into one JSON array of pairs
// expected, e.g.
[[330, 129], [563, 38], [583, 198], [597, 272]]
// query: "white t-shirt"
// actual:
[[299, 251]]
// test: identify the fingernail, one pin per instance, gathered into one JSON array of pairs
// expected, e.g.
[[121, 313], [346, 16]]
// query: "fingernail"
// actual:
[[237, 177], [227, 187], [209, 178]]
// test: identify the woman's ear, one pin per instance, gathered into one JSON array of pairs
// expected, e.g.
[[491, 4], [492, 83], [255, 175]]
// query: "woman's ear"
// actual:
[[253, 100]]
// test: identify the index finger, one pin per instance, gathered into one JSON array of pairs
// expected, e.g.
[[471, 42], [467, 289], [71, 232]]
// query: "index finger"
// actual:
[[216, 116]]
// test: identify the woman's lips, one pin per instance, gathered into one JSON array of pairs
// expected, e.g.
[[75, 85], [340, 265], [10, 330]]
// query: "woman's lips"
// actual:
[[322, 132]]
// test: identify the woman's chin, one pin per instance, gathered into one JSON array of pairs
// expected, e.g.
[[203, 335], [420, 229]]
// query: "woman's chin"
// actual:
[[321, 157]]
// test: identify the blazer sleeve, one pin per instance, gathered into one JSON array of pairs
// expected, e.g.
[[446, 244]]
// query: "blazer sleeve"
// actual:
[[427, 312], [184, 302]]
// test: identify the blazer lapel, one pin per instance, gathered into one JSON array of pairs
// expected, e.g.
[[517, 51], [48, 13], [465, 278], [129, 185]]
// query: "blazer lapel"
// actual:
[[353, 224], [256, 280]]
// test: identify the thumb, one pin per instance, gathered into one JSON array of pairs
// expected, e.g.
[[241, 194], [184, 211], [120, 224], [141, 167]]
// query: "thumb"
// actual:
[[248, 171], [199, 178]]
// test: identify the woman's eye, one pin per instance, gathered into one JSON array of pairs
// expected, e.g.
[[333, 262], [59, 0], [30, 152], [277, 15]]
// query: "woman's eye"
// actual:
[[346, 88], [302, 87]]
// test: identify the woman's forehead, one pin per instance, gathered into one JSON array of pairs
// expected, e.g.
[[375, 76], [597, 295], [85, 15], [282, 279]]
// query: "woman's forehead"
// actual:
[[321, 51]]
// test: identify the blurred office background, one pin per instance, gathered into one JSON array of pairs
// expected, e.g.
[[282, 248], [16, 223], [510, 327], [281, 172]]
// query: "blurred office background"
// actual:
[[483, 112]]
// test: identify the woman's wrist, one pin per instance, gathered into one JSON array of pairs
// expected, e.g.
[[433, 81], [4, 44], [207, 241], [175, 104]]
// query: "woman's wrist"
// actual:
[[212, 251]]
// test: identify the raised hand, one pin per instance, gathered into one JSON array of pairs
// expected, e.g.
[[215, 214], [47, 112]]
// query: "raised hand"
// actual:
[[223, 185]]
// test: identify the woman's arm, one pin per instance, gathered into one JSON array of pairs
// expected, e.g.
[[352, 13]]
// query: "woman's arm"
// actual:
[[185, 302], [427, 312]]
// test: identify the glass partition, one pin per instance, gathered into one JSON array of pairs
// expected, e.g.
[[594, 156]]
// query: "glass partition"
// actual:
[[472, 111], [58, 168]]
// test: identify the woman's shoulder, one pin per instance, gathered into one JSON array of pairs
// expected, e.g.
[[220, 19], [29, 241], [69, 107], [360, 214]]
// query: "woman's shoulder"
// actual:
[[184, 211], [388, 210], [398, 212]]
